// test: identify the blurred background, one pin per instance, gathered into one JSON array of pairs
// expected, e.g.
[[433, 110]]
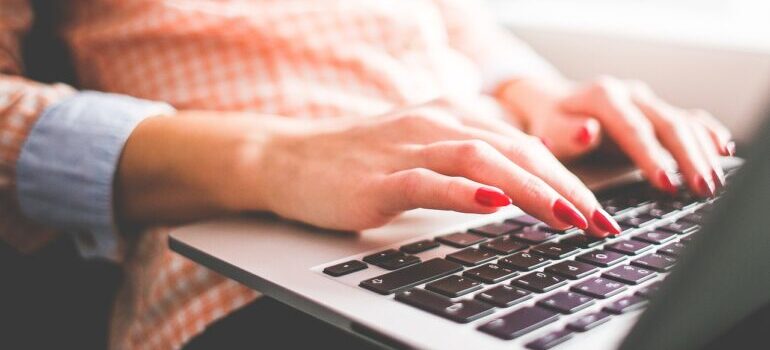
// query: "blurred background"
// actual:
[[710, 54]]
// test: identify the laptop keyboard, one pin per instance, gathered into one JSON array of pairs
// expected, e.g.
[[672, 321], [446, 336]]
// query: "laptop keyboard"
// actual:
[[495, 267]]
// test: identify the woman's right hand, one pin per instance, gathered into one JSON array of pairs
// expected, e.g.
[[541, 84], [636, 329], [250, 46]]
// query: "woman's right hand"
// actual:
[[359, 174]]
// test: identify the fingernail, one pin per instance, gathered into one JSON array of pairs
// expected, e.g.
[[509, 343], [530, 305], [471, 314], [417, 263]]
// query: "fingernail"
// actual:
[[705, 187], [729, 149], [665, 182], [546, 143], [605, 222], [719, 181], [492, 198], [583, 136], [567, 213]]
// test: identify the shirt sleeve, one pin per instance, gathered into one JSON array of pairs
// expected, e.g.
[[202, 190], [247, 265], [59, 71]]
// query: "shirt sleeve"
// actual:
[[66, 167]]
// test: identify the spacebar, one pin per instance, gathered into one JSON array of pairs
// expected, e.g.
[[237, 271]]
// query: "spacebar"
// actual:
[[411, 276]]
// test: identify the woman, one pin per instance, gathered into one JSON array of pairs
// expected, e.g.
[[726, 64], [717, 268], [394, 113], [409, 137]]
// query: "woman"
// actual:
[[398, 105]]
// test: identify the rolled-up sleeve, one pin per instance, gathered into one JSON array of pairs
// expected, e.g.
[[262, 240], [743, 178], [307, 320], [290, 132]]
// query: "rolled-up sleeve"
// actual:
[[67, 166]]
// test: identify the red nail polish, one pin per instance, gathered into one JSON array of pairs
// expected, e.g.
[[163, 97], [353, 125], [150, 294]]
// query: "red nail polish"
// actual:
[[567, 213], [492, 198], [583, 136], [719, 181], [705, 187], [605, 222], [665, 182], [546, 143], [729, 149]]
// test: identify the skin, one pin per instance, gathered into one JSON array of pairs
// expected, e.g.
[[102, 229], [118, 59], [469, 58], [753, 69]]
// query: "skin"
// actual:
[[359, 173]]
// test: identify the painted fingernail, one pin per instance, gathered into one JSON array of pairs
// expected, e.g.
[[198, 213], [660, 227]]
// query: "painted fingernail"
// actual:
[[492, 198], [719, 181], [729, 149], [583, 136], [705, 187], [546, 143], [567, 213], [665, 182], [605, 222]]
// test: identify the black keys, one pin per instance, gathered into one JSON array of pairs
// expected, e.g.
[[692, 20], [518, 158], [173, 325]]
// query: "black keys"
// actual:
[[555, 250], [629, 274], [582, 241], [411, 276], [662, 211], [503, 245], [674, 249], [550, 340], [462, 311], [523, 261], [419, 247], [496, 230], [398, 261], [572, 269], [697, 217], [649, 291], [376, 258], [626, 304], [629, 247], [540, 282], [345, 268], [519, 322], [490, 273], [655, 262], [639, 221], [525, 220], [601, 258], [599, 287], [454, 286], [504, 295], [566, 302], [589, 321], [460, 239], [680, 227], [471, 256], [533, 235], [654, 237]]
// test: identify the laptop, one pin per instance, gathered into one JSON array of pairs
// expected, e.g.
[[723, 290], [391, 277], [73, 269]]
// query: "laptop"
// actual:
[[682, 272]]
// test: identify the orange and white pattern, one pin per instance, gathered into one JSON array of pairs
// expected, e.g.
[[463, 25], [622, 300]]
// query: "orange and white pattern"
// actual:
[[296, 58]]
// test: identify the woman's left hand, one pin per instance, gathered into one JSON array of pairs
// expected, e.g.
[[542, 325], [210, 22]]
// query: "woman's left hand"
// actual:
[[571, 119]]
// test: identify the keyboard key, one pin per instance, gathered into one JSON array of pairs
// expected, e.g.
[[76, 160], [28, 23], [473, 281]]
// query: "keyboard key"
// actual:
[[599, 287], [697, 217], [686, 240], [411, 276], [519, 322], [655, 262], [496, 230], [674, 249], [523, 261], [654, 237], [680, 204], [680, 227], [545, 227], [377, 258], [550, 340], [582, 241], [649, 291], [525, 220], [555, 250], [661, 211], [504, 295], [534, 235], [471, 256], [540, 282], [639, 221], [460, 239], [399, 261], [626, 304], [454, 286], [588, 321], [462, 311], [629, 274], [490, 273], [572, 269], [503, 245], [345, 268], [601, 258], [420, 246], [629, 247], [566, 302]]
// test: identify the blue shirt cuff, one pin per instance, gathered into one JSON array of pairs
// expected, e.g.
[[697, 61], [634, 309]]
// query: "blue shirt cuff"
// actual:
[[67, 165]]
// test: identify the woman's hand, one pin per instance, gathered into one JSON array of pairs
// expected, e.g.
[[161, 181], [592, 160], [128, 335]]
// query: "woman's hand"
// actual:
[[572, 118]]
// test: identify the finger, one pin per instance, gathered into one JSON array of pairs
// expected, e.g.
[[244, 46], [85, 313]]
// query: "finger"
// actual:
[[706, 144], [569, 136], [720, 135], [423, 188], [610, 101], [479, 161]]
